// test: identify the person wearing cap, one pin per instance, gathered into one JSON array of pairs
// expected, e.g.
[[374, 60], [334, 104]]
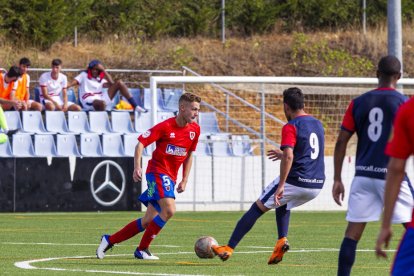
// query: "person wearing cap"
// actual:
[[54, 92], [92, 82]]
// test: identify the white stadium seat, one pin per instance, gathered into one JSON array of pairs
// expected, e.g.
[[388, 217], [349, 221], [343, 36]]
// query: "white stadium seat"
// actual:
[[45, 145], [66, 145], [33, 122], [23, 145], [121, 122], [112, 145], [99, 122], [90, 145], [78, 122]]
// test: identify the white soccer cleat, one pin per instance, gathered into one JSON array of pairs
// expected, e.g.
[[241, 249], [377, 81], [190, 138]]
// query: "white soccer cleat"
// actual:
[[144, 255], [103, 247], [140, 109]]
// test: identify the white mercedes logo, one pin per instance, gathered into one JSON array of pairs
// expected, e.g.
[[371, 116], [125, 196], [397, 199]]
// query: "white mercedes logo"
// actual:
[[107, 184]]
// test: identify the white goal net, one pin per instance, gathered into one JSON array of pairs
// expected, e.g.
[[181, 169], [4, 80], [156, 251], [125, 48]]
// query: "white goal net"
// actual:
[[241, 118]]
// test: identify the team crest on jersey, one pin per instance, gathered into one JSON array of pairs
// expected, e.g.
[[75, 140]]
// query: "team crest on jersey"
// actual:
[[172, 135], [174, 150], [146, 134], [192, 135]]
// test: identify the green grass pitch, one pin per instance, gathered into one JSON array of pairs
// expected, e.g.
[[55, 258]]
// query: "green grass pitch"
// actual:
[[67, 243]]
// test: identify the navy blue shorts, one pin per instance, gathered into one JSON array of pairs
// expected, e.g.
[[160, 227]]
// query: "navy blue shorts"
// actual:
[[404, 259], [159, 186]]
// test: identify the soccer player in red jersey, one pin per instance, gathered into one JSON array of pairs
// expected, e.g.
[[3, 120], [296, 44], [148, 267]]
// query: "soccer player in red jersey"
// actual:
[[176, 139], [399, 148]]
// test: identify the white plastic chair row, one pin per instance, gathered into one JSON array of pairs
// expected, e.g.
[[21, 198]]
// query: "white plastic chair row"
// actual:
[[113, 145]]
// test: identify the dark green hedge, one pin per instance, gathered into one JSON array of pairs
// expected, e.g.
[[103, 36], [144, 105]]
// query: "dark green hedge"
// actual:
[[42, 22]]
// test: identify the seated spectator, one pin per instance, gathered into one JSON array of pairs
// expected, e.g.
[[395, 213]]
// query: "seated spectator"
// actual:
[[91, 83], [8, 86], [53, 85], [23, 88]]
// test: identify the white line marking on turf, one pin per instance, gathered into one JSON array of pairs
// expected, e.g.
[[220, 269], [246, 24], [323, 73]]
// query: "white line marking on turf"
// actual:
[[28, 265]]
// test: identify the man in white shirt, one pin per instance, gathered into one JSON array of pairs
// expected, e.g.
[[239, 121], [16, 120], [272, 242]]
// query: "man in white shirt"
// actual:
[[54, 90], [91, 88]]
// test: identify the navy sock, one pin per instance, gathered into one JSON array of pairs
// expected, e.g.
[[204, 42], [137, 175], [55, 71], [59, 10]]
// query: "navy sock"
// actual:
[[245, 224], [282, 221], [346, 256], [132, 102]]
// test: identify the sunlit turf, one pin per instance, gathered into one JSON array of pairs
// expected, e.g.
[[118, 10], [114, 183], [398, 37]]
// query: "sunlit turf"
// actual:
[[72, 239]]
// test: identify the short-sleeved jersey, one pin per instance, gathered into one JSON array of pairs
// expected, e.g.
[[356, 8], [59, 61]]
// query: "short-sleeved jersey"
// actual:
[[371, 116], [89, 86], [54, 86], [305, 135], [173, 143], [401, 143]]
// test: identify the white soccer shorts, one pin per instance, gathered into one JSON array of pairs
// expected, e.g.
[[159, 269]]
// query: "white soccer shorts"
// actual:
[[58, 100], [366, 201], [293, 196], [87, 103]]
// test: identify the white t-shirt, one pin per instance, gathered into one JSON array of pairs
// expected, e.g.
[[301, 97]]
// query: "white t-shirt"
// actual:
[[89, 87], [54, 86]]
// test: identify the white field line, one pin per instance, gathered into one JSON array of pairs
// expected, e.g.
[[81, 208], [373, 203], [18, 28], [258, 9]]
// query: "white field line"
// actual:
[[28, 265]]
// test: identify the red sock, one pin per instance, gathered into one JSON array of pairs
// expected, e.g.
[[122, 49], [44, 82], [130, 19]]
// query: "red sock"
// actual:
[[130, 230], [151, 232]]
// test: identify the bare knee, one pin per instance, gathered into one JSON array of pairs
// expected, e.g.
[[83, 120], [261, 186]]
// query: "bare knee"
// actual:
[[74, 107], [99, 105], [167, 213], [50, 106], [354, 230]]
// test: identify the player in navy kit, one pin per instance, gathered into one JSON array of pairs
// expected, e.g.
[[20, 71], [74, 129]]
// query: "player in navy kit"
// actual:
[[302, 175], [371, 116]]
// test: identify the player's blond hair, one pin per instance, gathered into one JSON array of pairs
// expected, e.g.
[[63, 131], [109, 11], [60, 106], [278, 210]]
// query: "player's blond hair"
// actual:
[[189, 97]]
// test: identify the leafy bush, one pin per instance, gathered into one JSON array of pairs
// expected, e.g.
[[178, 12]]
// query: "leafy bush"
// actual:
[[321, 59], [43, 22]]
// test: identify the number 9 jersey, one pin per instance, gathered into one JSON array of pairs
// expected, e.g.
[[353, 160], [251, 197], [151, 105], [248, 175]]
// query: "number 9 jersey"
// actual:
[[371, 116], [305, 135]]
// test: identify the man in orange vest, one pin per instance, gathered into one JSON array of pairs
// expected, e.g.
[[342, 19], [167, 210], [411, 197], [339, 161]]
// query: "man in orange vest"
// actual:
[[22, 91], [8, 86]]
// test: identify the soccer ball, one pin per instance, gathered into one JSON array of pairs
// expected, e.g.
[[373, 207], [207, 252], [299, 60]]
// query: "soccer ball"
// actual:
[[202, 247]]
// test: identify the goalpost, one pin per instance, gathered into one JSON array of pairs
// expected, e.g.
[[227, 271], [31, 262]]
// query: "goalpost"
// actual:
[[251, 109]]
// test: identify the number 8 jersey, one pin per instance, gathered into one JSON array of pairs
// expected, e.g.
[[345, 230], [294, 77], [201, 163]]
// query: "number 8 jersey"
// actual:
[[305, 135], [371, 116]]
